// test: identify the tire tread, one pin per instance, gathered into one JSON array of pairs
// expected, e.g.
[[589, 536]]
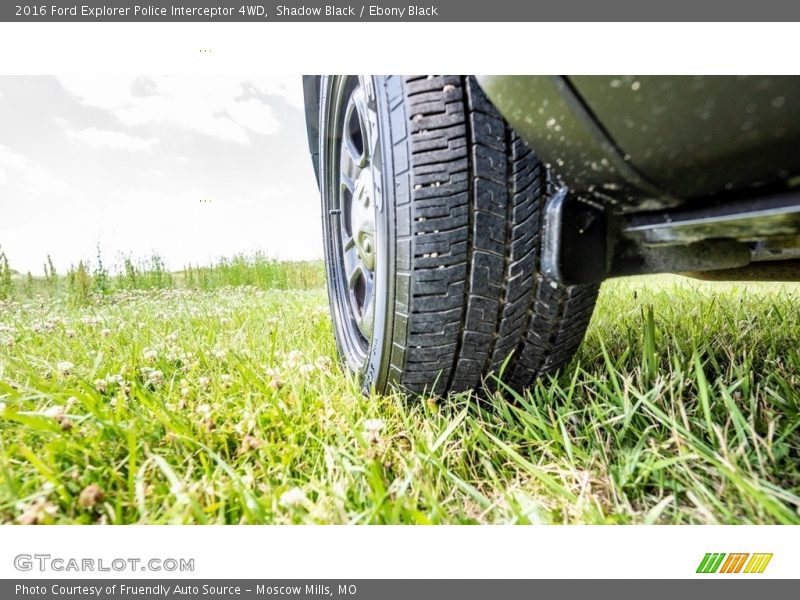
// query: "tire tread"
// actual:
[[473, 293]]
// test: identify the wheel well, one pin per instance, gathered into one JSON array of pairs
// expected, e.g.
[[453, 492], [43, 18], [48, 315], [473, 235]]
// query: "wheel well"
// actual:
[[311, 100]]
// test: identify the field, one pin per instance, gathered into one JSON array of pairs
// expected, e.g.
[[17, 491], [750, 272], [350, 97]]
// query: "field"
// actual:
[[212, 403]]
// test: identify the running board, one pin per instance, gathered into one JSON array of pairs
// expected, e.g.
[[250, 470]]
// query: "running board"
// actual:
[[583, 244], [743, 220]]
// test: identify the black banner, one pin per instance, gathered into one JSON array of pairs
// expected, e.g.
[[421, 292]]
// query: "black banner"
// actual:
[[731, 588], [398, 10]]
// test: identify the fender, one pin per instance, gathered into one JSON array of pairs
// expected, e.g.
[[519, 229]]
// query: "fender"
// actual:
[[311, 99]]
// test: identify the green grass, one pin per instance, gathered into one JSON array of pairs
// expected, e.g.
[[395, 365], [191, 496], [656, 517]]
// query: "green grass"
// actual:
[[226, 406], [82, 284], [257, 270]]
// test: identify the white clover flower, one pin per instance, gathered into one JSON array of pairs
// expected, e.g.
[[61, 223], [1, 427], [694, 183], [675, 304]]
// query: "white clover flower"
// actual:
[[226, 380], [105, 332], [172, 337], [306, 369], [204, 410], [293, 497], [372, 430], [65, 367], [203, 382], [219, 354], [156, 378], [323, 363], [38, 512], [374, 425], [245, 425], [179, 491], [54, 411], [149, 355], [293, 358]]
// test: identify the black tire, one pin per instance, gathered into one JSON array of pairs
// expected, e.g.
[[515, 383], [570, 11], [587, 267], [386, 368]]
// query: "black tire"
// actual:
[[458, 201]]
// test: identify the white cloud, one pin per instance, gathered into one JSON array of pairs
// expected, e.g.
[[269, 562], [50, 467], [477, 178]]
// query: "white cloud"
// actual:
[[253, 115], [288, 88], [115, 140], [16, 168], [53, 202], [175, 224], [185, 230], [216, 106]]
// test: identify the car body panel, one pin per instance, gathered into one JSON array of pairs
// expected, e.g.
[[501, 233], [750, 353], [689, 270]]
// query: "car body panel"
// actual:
[[697, 136], [647, 143]]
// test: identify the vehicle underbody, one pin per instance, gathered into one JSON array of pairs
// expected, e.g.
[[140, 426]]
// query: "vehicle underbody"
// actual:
[[690, 175]]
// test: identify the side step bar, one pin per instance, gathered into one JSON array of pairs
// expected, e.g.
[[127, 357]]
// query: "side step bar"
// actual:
[[583, 244]]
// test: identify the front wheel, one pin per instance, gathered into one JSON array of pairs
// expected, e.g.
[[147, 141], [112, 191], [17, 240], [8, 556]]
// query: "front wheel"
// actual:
[[432, 215]]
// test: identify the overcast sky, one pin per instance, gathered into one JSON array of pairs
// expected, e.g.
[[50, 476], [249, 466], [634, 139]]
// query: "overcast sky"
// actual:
[[192, 167]]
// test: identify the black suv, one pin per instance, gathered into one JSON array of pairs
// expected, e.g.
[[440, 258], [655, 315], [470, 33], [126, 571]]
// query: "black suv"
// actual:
[[469, 221]]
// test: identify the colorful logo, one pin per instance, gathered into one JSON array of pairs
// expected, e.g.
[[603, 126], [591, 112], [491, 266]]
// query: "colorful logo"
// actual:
[[719, 562]]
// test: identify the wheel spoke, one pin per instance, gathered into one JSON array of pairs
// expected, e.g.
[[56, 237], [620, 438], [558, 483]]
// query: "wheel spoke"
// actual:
[[352, 263], [356, 274], [356, 134], [349, 168], [361, 283], [368, 133], [370, 288]]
